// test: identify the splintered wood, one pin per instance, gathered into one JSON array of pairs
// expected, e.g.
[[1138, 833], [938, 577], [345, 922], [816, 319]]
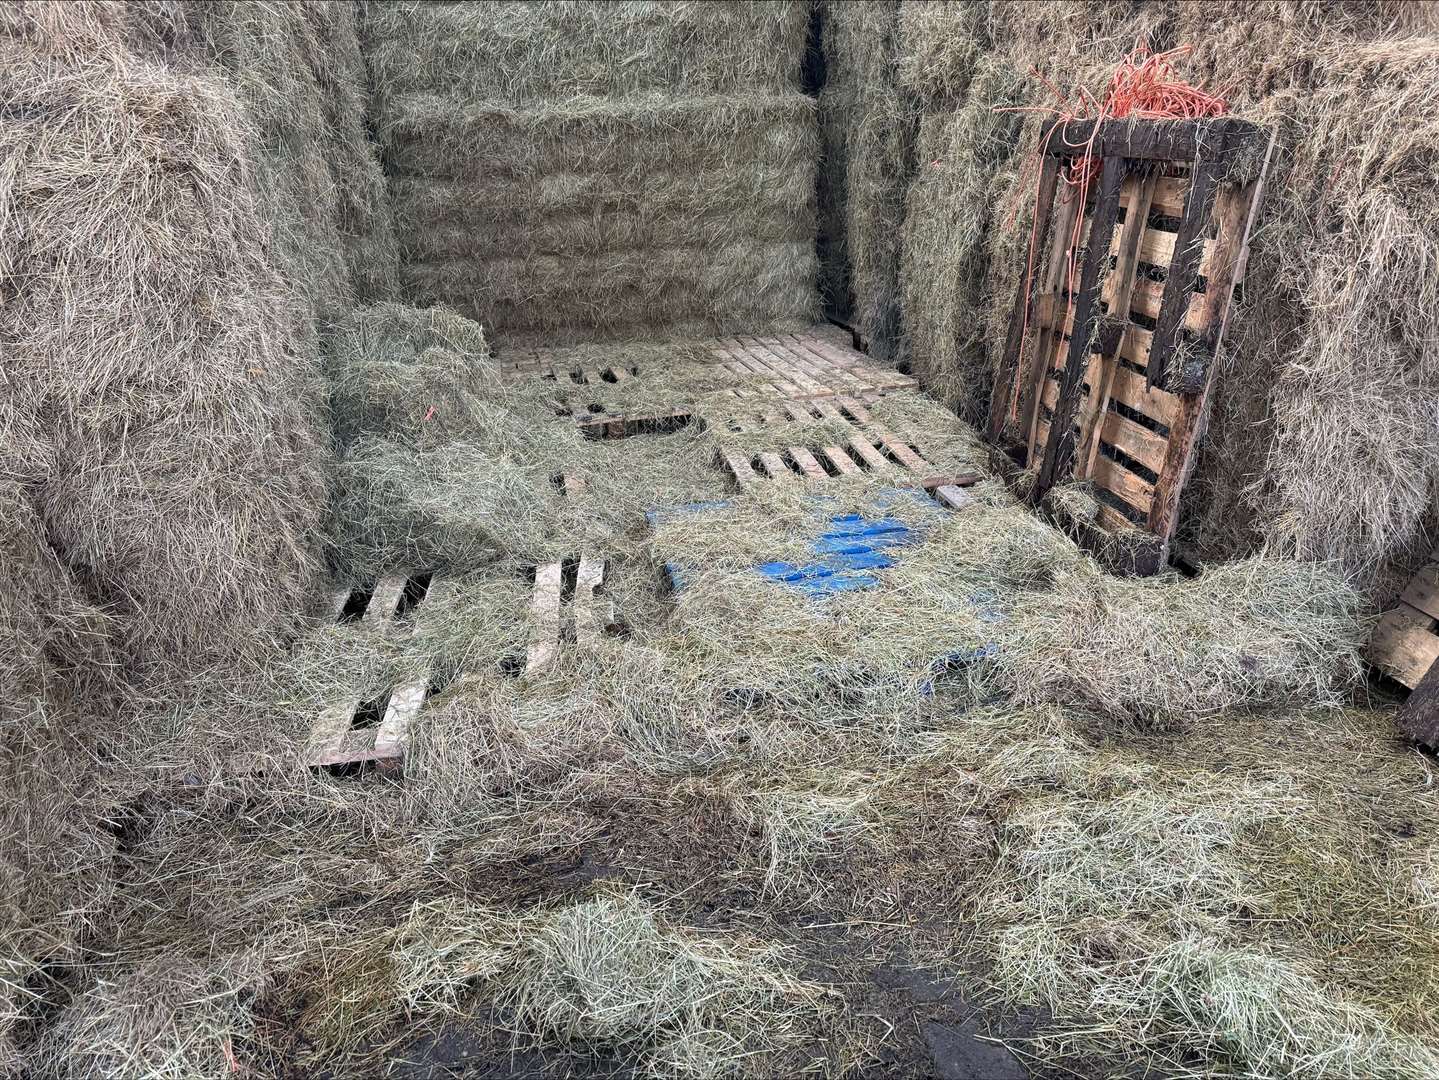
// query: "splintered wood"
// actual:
[[356, 730], [1405, 646], [567, 605], [1108, 383]]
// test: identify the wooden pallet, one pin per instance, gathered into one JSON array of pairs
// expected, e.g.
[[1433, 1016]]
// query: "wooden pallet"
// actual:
[[568, 605], [1405, 646], [840, 410], [356, 731], [600, 423], [1109, 384], [805, 366], [552, 365]]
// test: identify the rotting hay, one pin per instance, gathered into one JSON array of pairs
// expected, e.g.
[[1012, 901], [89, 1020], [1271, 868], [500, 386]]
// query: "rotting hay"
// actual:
[[178, 466]]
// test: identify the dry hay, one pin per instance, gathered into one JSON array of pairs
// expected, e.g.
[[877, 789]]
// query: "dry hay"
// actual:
[[406, 373], [542, 196], [177, 465], [996, 603], [298, 71], [627, 293], [522, 53], [1215, 906], [865, 121], [54, 856], [1320, 441]]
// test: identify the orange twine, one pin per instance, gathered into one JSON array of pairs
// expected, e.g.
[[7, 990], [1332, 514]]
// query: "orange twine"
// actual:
[[1143, 87]]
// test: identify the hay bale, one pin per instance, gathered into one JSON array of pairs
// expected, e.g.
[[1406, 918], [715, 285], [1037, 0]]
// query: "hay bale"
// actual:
[[492, 50], [538, 189], [405, 373], [298, 71], [57, 706], [867, 125], [178, 464], [627, 293]]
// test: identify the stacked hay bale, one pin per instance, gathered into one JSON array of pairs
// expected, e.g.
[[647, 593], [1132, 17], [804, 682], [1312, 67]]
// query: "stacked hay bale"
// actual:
[[584, 170], [1322, 438], [865, 121], [298, 71]]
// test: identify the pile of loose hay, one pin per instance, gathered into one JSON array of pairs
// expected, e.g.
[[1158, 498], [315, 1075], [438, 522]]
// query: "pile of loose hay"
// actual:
[[554, 162]]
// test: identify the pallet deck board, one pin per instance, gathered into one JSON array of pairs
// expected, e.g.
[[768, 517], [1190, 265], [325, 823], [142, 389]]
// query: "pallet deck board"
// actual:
[[545, 609]]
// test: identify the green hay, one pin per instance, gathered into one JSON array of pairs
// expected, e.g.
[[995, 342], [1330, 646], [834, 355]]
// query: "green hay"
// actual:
[[522, 53]]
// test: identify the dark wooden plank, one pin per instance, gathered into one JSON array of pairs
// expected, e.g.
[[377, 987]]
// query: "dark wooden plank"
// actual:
[[1163, 140], [1419, 717], [1184, 270], [1059, 454], [1422, 592], [1005, 380], [1235, 211]]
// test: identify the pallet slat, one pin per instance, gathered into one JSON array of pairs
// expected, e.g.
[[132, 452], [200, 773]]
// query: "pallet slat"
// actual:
[[544, 643]]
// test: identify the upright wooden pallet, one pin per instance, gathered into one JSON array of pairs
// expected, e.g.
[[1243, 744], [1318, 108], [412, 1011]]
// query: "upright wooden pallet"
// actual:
[[1108, 363], [1405, 646]]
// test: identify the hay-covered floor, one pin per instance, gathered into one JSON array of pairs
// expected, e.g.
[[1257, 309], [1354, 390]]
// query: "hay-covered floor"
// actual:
[[747, 829]]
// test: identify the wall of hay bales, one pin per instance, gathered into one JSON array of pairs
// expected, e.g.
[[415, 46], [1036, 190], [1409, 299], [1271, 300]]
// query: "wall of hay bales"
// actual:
[[1322, 438], [187, 191], [585, 170]]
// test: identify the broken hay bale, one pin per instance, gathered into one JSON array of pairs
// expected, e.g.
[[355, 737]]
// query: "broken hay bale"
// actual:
[[456, 506], [179, 470], [298, 71], [521, 53], [1256, 632], [405, 373]]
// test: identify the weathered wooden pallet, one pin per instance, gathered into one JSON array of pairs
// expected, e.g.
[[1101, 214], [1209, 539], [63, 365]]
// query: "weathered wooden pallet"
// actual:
[[356, 731], [600, 423], [808, 365], [568, 605], [1405, 646], [553, 365], [841, 410], [875, 452], [1109, 383]]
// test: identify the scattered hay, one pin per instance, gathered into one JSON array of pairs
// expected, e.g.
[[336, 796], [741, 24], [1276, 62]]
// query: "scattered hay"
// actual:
[[168, 1017], [404, 373]]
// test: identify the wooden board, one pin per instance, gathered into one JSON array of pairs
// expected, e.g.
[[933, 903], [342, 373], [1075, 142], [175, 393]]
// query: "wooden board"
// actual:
[[336, 739], [544, 644]]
